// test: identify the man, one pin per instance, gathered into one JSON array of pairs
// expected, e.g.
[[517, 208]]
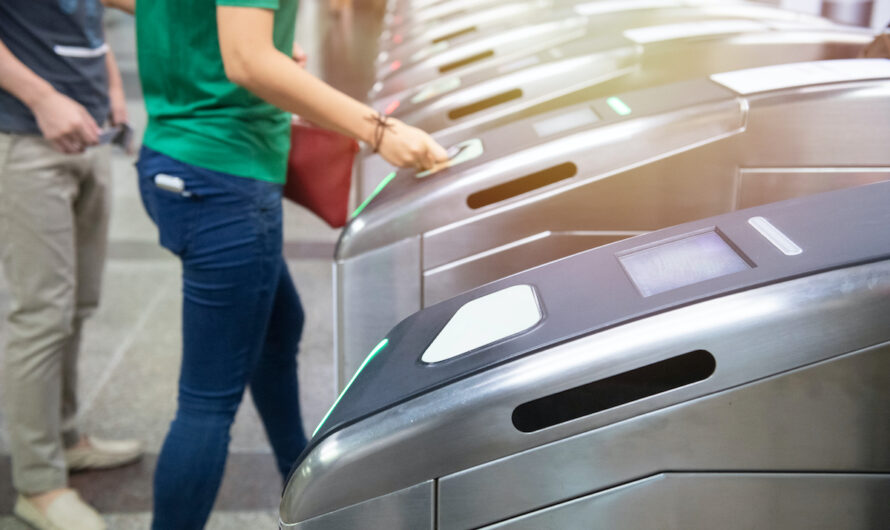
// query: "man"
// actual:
[[58, 84]]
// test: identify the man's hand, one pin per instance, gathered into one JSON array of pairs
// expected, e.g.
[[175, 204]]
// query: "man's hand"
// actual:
[[128, 6], [65, 123]]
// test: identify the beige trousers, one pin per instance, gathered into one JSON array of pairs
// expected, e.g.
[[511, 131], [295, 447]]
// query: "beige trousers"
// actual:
[[53, 236]]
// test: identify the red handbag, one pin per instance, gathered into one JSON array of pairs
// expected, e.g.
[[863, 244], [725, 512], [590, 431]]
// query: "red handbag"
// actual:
[[319, 171]]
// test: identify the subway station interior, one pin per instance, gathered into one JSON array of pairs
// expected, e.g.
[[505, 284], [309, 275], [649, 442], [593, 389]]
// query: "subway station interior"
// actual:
[[650, 288]]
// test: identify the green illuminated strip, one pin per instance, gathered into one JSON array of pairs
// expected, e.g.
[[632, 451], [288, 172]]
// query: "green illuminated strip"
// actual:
[[370, 356], [374, 193], [618, 106]]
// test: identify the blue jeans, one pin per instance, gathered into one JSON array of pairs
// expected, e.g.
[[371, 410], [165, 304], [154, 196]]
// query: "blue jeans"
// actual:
[[241, 325]]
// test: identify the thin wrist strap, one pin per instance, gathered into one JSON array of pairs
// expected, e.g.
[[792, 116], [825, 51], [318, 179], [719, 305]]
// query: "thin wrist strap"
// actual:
[[381, 124]]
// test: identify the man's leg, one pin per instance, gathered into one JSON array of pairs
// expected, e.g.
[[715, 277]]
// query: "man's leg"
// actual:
[[36, 219], [91, 214]]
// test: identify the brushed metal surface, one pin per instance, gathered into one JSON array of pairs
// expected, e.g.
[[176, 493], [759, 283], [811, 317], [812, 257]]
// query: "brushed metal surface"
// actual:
[[602, 196], [637, 175], [764, 185], [729, 501], [510, 44], [501, 15], [828, 418], [381, 286], [614, 71], [409, 509], [632, 67], [489, 266], [434, 13], [854, 12]]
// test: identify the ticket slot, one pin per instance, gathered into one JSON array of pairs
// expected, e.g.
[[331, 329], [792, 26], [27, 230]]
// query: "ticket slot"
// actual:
[[455, 34], [522, 185], [465, 61], [487, 103]]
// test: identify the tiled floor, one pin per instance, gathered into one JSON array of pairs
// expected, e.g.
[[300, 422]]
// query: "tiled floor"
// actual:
[[131, 347]]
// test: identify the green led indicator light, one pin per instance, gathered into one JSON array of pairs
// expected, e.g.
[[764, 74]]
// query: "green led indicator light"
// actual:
[[374, 193], [618, 106], [383, 343]]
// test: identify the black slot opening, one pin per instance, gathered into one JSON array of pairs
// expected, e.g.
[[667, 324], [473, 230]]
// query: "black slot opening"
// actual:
[[455, 34], [613, 391], [522, 185], [465, 61], [483, 104]]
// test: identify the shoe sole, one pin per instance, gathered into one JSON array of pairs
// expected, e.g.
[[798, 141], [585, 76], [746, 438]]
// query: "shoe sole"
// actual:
[[103, 466]]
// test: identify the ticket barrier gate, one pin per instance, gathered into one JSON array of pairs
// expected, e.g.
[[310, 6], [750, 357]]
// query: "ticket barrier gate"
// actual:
[[462, 25], [435, 13], [505, 46], [731, 372], [411, 45], [442, 35], [545, 187], [635, 59], [458, 107], [395, 9]]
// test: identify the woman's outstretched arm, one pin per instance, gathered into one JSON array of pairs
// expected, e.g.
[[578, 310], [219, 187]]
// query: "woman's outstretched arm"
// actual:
[[252, 61]]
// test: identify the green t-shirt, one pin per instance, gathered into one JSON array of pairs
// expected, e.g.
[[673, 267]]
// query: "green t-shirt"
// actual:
[[195, 114]]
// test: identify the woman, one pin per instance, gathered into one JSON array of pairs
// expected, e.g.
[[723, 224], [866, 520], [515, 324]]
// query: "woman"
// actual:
[[219, 81]]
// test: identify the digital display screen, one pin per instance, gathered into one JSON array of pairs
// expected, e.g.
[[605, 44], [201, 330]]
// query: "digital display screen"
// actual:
[[564, 122], [682, 262]]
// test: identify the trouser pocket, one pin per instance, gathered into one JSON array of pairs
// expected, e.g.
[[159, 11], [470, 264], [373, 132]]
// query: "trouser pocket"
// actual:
[[174, 211]]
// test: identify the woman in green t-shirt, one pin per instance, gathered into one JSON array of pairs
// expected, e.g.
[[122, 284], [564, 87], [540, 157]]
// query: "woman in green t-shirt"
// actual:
[[219, 82]]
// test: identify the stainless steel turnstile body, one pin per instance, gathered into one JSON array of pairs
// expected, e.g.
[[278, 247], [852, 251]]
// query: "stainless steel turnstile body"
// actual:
[[732, 372], [638, 59], [505, 46], [548, 186], [435, 13], [442, 35]]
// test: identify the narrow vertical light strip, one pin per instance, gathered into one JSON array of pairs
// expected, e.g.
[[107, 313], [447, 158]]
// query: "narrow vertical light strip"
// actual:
[[374, 193], [370, 356], [618, 106]]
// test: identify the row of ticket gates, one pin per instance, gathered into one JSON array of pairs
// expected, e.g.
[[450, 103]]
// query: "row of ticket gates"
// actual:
[[650, 288]]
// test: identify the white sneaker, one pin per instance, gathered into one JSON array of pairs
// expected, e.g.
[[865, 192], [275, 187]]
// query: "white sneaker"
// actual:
[[66, 512], [103, 454]]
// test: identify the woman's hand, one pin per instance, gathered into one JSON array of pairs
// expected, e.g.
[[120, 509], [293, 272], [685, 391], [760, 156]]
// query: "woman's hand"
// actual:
[[299, 55], [406, 146]]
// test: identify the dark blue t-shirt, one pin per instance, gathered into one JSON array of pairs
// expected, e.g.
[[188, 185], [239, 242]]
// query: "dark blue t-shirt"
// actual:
[[62, 41]]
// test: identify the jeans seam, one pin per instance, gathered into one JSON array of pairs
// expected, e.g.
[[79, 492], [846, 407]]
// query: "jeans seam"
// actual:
[[196, 207]]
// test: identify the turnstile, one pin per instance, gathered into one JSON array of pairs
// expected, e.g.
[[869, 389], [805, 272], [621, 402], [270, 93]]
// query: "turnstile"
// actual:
[[638, 58], [590, 174], [444, 34], [732, 372], [493, 17], [435, 13], [503, 47]]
